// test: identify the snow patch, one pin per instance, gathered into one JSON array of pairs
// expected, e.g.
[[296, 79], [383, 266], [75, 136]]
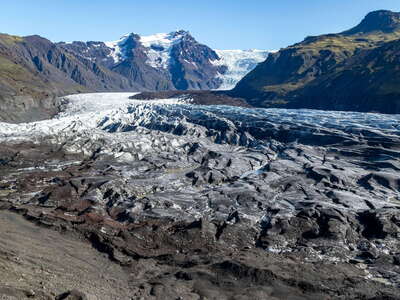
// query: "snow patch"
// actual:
[[116, 48], [159, 47]]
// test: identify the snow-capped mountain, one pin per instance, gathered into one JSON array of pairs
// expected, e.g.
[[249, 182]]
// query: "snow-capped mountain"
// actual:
[[172, 60], [158, 48]]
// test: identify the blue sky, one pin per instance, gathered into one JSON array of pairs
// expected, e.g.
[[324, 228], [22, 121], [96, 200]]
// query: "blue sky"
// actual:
[[221, 24]]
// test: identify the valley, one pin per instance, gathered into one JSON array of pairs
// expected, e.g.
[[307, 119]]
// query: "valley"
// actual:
[[36, 71], [156, 167]]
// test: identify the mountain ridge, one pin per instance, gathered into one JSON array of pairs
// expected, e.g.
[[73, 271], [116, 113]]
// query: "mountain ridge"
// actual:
[[181, 62], [312, 68], [379, 20], [35, 71]]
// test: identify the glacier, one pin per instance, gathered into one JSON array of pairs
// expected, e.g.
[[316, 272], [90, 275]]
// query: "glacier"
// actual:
[[91, 109], [239, 63], [321, 186]]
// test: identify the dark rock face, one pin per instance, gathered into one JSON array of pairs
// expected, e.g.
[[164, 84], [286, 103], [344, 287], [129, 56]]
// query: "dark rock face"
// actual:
[[353, 70], [191, 67], [135, 68], [94, 51], [54, 65], [217, 201]]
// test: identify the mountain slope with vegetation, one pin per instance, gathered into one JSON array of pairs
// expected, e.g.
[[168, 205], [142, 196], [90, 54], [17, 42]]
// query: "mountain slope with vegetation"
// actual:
[[34, 71], [353, 70]]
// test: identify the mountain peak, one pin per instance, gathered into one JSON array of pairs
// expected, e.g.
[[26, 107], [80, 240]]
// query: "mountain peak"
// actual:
[[172, 37], [381, 20], [180, 32], [164, 40]]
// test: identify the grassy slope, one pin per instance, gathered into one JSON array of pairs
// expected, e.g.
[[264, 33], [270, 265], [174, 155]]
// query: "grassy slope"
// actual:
[[338, 48], [343, 63], [18, 76]]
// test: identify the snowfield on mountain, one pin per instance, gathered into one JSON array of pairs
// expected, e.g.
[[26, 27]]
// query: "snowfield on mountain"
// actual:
[[165, 51]]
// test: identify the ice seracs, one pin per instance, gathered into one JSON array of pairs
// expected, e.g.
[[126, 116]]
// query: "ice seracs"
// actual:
[[239, 63], [90, 111]]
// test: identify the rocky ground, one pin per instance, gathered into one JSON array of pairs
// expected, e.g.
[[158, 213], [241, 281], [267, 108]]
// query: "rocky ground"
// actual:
[[195, 97], [168, 200], [40, 263]]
